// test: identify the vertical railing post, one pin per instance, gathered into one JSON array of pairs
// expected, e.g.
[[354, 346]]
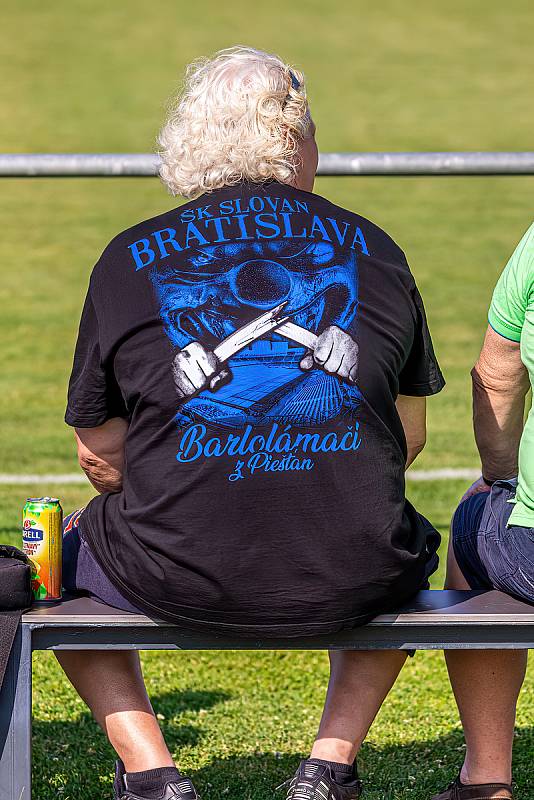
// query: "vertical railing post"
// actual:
[[16, 720]]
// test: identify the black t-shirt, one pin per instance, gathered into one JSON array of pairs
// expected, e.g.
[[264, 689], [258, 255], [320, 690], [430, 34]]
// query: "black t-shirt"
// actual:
[[256, 340]]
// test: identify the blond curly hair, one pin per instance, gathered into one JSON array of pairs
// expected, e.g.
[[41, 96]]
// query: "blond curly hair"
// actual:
[[240, 117]]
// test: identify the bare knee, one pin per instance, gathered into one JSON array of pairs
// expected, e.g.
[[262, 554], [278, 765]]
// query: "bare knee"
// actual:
[[368, 664], [107, 661]]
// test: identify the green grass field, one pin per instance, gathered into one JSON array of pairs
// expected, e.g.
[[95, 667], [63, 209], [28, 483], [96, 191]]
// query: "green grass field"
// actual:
[[95, 76]]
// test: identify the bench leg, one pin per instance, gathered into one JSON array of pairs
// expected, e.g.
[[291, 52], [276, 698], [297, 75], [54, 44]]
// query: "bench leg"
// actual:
[[16, 721]]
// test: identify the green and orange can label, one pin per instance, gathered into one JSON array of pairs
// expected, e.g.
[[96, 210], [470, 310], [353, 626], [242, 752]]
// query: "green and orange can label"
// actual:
[[42, 540]]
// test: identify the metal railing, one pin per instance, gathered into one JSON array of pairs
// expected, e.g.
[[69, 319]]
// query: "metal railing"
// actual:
[[34, 165]]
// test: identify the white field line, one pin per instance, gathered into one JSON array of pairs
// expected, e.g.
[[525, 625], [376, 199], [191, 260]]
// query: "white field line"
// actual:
[[447, 474], [13, 480]]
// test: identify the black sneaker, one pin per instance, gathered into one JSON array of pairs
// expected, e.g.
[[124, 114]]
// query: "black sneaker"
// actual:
[[179, 788], [316, 782]]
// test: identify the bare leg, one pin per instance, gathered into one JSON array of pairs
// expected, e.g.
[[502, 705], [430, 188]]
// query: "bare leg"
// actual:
[[486, 685], [112, 685], [359, 683]]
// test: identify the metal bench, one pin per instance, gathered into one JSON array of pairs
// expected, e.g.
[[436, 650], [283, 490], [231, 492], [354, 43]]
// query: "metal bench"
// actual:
[[433, 620]]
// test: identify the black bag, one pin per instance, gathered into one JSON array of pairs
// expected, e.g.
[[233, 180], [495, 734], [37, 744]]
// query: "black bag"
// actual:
[[15, 597]]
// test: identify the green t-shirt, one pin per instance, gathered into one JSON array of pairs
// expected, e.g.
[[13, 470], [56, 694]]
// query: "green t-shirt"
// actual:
[[511, 314]]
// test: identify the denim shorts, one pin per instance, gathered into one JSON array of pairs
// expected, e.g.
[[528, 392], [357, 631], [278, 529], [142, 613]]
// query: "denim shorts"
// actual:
[[81, 573], [491, 554]]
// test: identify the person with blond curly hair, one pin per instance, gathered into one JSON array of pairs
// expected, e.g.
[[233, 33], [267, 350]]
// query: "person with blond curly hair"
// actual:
[[248, 388]]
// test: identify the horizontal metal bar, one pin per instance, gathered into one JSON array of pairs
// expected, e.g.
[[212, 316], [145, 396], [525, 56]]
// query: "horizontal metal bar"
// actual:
[[418, 637], [113, 165], [427, 164], [34, 165]]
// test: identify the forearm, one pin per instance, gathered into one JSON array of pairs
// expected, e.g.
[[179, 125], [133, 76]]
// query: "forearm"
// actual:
[[500, 383], [498, 412], [101, 454], [103, 477], [414, 448], [412, 413]]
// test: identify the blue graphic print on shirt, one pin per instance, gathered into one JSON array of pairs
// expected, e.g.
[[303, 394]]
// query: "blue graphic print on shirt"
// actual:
[[210, 289]]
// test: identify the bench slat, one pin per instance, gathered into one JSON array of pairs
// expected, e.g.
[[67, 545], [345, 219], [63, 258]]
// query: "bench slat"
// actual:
[[428, 608]]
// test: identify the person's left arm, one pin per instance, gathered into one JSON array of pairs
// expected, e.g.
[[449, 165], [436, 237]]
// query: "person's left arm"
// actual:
[[412, 413], [101, 453], [500, 379]]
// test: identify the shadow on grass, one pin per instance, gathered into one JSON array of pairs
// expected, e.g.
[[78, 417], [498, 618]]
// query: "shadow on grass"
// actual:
[[413, 771], [73, 755]]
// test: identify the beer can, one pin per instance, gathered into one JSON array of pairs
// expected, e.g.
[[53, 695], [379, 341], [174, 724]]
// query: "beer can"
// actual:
[[42, 540]]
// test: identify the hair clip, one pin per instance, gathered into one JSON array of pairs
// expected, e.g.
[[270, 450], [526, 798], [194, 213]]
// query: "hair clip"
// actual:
[[295, 83]]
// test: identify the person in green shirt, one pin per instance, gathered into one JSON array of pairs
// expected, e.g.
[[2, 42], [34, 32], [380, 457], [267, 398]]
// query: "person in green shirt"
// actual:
[[492, 541]]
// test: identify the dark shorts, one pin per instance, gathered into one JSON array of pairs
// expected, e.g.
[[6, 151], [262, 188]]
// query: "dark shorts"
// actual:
[[490, 554], [81, 573]]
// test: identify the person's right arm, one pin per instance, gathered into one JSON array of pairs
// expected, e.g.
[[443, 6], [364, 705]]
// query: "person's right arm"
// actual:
[[500, 380], [500, 383], [96, 409]]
